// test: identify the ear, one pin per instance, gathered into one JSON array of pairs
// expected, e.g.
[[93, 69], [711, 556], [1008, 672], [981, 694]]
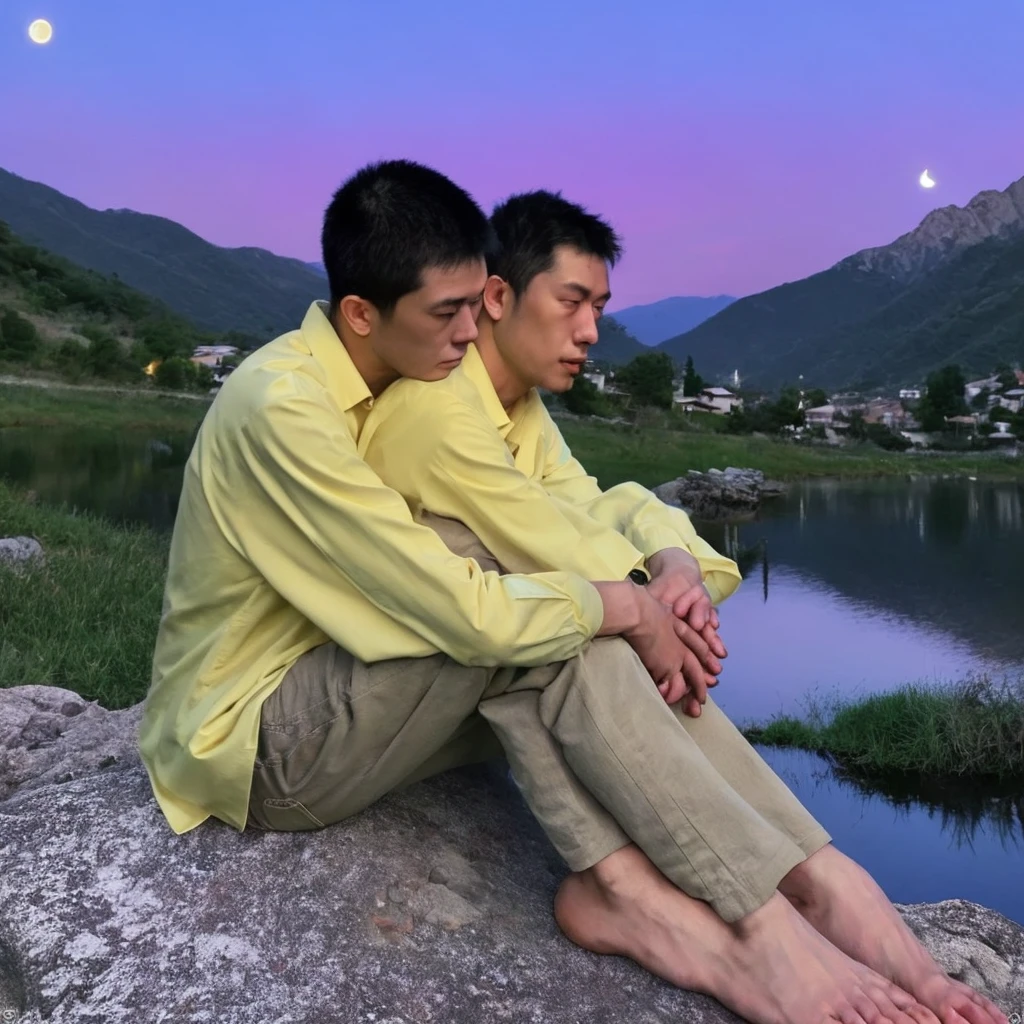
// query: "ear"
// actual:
[[358, 314], [498, 297]]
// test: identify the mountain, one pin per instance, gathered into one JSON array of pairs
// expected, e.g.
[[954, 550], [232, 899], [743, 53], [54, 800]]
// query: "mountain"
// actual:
[[614, 343], [950, 290], [318, 268], [654, 322], [219, 289]]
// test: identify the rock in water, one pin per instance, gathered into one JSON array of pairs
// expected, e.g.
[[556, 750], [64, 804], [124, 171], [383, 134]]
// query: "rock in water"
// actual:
[[432, 906], [719, 494]]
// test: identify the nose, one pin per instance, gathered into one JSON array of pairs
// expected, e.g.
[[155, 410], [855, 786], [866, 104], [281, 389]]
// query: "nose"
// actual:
[[465, 329], [586, 333]]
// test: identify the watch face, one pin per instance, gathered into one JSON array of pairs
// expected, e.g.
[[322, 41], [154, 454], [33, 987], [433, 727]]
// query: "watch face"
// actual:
[[639, 577]]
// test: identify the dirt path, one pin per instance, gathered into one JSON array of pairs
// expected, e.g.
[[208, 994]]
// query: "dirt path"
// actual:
[[57, 385]]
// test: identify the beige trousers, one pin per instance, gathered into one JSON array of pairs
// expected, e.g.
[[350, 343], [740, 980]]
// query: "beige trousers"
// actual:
[[599, 757]]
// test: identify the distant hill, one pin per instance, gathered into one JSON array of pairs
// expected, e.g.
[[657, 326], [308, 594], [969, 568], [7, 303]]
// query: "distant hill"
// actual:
[[951, 290], [615, 344], [655, 322], [318, 268], [219, 289]]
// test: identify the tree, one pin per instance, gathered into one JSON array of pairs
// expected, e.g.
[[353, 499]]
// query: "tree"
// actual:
[[166, 338], [815, 398], [174, 374], [583, 398], [18, 336], [648, 378], [693, 382], [980, 400], [944, 397]]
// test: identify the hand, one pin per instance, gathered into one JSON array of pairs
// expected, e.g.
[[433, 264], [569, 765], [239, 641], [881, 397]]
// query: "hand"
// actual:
[[698, 673], [675, 573], [676, 581]]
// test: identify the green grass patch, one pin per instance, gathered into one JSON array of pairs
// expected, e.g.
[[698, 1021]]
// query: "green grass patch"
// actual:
[[652, 455], [128, 409], [86, 620], [973, 728]]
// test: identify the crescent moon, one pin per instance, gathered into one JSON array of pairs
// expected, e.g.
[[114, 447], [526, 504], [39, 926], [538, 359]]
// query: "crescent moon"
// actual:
[[926, 180]]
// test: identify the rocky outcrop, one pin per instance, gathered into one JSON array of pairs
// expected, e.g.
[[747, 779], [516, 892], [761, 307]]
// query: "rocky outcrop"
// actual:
[[945, 233], [19, 550], [719, 494], [434, 905]]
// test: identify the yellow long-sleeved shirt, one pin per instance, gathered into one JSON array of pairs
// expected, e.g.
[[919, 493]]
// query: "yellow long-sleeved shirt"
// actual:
[[285, 539], [451, 448]]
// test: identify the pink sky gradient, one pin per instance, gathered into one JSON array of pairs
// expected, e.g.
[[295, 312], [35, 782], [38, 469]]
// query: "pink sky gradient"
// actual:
[[732, 151]]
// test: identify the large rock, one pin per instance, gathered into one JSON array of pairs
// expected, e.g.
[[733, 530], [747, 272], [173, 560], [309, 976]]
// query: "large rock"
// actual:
[[434, 905], [719, 494], [20, 550]]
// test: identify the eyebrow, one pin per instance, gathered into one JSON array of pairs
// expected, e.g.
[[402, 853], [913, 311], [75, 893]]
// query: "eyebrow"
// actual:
[[584, 292], [461, 300]]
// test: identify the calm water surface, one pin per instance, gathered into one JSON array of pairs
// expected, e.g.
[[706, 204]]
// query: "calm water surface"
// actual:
[[850, 588]]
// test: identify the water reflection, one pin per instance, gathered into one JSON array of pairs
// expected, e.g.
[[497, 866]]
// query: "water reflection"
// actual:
[[126, 477], [947, 555], [919, 848]]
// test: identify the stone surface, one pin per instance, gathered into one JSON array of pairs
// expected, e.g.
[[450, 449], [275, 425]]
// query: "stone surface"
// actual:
[[19, 550], [719, 494], [434, 905]]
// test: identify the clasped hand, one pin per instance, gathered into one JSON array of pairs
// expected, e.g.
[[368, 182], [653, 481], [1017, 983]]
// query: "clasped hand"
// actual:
[[679, 642]]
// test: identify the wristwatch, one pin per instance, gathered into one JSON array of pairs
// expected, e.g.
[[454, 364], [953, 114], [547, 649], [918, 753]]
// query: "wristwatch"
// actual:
[[640, 577]]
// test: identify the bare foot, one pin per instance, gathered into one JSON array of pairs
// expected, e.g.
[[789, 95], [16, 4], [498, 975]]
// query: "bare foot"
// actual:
[[771, 967], [842, 901]]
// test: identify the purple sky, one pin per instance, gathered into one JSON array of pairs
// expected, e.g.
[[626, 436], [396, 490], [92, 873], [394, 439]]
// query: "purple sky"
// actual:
[[735, 145]]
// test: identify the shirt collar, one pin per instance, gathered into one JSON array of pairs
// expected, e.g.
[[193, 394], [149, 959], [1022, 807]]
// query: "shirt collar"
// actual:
[[343, 379], [474, 369]]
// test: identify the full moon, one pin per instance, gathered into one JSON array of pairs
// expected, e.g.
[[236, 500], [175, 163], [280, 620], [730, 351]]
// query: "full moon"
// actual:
[[40, 31], [926, 180]]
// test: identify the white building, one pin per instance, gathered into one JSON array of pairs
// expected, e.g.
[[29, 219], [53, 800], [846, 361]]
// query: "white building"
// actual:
[[212, 355], [1013, 400], [822, 416], [975, 387], [595, 378], [721, 399], [910, 394]]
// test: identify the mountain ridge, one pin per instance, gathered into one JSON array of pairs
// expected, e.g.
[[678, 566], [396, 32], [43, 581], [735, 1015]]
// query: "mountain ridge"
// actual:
[[884, 315]]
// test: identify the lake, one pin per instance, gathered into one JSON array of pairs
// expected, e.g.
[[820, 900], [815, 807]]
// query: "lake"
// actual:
[[850, 588]]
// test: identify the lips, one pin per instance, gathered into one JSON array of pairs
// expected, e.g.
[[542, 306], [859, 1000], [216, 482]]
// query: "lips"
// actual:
[[573, 365]]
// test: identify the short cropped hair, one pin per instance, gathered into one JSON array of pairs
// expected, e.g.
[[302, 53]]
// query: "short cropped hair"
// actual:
[[391, 221], [529, 227]]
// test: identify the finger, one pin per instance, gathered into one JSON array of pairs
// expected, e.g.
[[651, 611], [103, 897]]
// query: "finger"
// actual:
[[698, 613], [686, 600], [714, 617], [714, 641], [677, 689], [693, 673], [696, 643], [691, 706]]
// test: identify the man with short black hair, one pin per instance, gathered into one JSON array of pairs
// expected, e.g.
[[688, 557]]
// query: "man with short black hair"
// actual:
[[480, 449]]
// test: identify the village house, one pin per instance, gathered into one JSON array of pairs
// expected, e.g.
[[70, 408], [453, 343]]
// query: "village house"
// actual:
[[720, 400], [975, 387], [1012, 400], [910, 394], [595, 378], [212, 355], [690, 404], [822, 416], [887, 411]]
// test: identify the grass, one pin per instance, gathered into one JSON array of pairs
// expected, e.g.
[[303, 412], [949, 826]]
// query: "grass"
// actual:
[[127, 409], [86, 620], [653, 455], [973, 729]]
